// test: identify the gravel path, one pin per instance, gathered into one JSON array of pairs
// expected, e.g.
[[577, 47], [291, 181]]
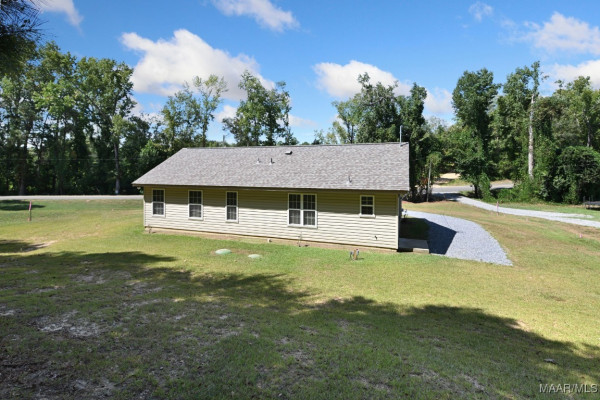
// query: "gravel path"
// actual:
[[459, 238], [577, 219]]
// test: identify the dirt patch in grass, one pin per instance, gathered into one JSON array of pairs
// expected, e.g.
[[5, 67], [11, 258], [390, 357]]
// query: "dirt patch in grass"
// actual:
[[7, 312], [372, 385], [70, 324], [473, 381], [45, 289], [137, 288]]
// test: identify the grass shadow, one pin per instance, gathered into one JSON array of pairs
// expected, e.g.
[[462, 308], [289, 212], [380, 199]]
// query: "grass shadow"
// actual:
[[17, 205], [119, 324], [16, 246]]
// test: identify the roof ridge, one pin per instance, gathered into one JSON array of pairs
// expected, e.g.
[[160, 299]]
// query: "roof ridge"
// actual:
[[299, 145]]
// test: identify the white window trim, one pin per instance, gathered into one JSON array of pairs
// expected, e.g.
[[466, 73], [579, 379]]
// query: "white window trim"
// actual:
[[201, 205], [237, 207], [360, 207], [164, 203], [301, 224]]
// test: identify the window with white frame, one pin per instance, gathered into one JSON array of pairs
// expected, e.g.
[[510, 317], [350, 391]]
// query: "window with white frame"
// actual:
[[367, 206], [158, 202], [232, 206], [195, 204], [302, 209]]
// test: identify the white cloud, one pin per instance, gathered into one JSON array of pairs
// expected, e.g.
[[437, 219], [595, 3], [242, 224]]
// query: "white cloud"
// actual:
[[165, 65], [227, 112], [263, 11], [299, 122], [566, 34], [62, 6], [569, 73], [341, 80], [479, 10], [439, 101]]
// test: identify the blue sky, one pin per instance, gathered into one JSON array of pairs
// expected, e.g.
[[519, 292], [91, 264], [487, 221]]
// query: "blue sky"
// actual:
[[319, 47]]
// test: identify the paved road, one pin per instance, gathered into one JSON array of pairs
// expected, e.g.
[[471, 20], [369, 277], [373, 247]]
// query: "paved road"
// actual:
[[576, 219], [458, 189], [84, 197]]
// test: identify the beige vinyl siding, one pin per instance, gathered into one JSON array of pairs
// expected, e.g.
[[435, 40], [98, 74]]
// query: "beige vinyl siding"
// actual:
[[265, 213]]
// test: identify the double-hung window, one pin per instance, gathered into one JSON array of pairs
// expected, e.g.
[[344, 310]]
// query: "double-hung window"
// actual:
[[195, 204], [367, 206], [158, 202], [232, 206], [302, 209]]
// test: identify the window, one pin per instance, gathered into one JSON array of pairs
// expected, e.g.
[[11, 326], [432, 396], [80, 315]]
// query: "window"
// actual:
[[302, 209], [367, 206], [232, 206], [158, 202], [195, 204]]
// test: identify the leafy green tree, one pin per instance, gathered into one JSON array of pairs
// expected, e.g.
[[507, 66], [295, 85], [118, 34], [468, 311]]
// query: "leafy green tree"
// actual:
[[349, 112], [210, 91], [581, 112], [379, 112], [19, 118], [263, 117], [58, 99], [514, 120], [105, 88], [336, 134], [577, 175], [415, 133], [472, 100], [181, 119]]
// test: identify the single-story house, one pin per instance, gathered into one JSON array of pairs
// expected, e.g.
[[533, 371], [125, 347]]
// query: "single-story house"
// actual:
[[346, 194]]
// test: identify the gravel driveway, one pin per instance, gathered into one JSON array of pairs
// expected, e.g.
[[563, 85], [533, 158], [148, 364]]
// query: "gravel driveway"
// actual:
[[459, 238]]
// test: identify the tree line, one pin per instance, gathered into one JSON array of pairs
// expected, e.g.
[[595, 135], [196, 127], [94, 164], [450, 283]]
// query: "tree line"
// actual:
[[67, 126], [548, 145]]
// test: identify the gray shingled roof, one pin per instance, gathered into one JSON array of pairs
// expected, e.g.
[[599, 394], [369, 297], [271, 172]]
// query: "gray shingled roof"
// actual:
[[352, 167]]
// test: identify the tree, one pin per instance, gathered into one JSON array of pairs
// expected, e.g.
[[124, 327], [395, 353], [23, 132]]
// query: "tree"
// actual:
[[105, 86], [415, 133], [581, 105], [515, 116], [263, 117], [376, 115], [336, 134], [181, 119], [19, 30], [21, 114], [379, 112], [577, 175], [349, 112], [210, 91], [472, 100]]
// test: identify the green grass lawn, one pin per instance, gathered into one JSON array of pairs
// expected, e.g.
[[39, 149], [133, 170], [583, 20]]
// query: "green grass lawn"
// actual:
[[90, 307]]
